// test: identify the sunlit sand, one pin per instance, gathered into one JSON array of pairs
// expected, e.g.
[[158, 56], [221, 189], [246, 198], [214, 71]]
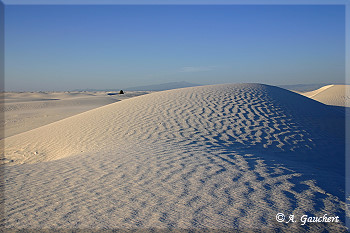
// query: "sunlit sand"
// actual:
[[217, 157]]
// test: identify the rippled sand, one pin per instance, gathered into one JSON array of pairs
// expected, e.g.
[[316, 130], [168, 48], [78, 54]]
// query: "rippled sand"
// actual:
[[216, 157]]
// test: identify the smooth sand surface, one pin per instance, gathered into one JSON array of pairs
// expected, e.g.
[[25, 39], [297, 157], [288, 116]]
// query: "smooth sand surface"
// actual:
[[338, 95], [25, 111], [219, 157]]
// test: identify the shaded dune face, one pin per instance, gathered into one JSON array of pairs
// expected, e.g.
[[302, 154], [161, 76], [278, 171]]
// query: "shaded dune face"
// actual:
[[254, 117]]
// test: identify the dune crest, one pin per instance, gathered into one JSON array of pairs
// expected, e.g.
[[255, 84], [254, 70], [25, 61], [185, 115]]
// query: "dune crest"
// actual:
[[243, 116], [215, 157], [338, 95], [318, 91]]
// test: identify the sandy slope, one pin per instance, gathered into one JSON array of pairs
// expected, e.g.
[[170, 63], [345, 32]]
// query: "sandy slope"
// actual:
[[26, 111], [338, 95], [223, 156]]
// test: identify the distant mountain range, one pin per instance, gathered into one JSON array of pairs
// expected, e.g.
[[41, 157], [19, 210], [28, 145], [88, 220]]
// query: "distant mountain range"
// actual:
[[156, 87], [175, 85], [92, 90], [163, 86]]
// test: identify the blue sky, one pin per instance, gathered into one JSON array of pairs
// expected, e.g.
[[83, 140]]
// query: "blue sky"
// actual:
[[65, 47]]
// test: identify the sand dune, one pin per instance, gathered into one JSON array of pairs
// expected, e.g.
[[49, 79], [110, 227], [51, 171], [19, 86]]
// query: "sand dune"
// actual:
[[222, 156], [26, 111], [338, 95]]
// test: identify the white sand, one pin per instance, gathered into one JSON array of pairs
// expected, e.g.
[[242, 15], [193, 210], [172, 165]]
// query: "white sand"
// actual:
[[26, 111], [338, 95], [222, 156]]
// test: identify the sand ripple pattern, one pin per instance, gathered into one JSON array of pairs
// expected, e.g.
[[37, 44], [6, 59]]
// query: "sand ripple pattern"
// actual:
[[259, 117], [217, 157]]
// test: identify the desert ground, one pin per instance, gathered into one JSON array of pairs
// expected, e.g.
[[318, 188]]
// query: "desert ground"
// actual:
[[29, 110], [210, 157]]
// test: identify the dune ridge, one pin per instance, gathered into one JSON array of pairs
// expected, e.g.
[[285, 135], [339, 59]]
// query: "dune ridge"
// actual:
[[318, 91], [245, 116], [220, 156], [338, 95]]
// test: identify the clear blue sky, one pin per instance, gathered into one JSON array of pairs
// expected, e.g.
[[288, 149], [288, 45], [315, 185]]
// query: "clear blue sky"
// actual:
[[119, 46]]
